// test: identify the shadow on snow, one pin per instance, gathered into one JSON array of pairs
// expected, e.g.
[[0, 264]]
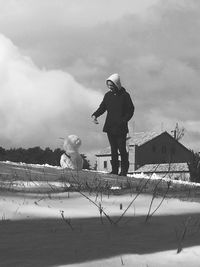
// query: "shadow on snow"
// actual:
[[50, 242]]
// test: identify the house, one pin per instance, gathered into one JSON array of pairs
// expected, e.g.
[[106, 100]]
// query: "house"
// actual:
[[150, 149], [175, 171]]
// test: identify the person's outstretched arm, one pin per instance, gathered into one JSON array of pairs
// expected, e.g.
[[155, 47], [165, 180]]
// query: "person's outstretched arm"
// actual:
[[101, 109]]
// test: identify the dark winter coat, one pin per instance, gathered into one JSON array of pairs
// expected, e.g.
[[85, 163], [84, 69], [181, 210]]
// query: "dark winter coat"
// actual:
[[120, 109]]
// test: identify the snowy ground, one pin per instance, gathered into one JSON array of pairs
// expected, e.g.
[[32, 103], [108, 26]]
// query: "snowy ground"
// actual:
[[65, 229], [34, 233]]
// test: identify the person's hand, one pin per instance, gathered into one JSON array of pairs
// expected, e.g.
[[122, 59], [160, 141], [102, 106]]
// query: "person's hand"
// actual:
[[95, 120]]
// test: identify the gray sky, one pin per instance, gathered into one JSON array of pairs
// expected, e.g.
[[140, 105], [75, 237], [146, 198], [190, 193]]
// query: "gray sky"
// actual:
[[55, 56]]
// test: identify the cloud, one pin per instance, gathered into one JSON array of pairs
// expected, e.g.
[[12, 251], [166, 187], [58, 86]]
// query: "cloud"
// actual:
[[39, 106], [89, 12], [156, 54]]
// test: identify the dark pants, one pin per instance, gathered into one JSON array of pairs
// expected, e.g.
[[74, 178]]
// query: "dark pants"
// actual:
[[118, 143]]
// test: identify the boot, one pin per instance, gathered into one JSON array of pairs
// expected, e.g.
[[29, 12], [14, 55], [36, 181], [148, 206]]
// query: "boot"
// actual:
[[124, 169], [115, 167]]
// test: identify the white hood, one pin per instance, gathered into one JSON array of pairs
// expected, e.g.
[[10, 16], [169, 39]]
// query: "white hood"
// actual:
[[115, 79]]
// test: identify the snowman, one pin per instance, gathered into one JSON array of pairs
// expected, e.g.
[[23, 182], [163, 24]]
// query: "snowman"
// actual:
[[71, 159]]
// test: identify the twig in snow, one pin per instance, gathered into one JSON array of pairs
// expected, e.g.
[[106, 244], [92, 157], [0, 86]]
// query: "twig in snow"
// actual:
[[149, 215], [181, 237], [67, 221], [93, 202]]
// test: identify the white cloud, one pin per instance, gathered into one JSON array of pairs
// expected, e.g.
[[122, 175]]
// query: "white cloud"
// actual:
[[71, 12], [157, 55], [38, 106]]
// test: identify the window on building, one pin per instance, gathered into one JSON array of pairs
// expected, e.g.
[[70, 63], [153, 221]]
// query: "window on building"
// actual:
[[154, 148], [164, 149], [105, 164]]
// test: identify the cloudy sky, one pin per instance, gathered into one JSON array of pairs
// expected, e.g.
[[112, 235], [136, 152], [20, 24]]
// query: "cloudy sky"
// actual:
[[55, 56]]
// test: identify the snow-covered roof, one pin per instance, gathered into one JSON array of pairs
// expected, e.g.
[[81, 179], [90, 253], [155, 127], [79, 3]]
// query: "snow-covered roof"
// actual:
[[142, 138], [104, 152], [164, 168]]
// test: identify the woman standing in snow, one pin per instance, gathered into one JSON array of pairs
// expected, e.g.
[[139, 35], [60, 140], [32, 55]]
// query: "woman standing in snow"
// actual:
[[119, 106]]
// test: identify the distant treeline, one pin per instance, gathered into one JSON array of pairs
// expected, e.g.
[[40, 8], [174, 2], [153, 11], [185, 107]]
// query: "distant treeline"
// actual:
[[36, 155]]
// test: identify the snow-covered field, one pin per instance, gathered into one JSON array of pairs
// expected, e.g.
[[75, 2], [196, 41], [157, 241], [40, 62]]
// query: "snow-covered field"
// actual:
[[34, 233], [66, 229]]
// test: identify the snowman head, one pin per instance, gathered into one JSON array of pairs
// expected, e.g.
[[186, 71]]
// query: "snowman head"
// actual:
[[72, 143]]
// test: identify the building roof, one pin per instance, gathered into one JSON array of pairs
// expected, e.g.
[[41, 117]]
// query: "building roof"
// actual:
[[135, 139], [142, 138], [104, 152], [164, 168]]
